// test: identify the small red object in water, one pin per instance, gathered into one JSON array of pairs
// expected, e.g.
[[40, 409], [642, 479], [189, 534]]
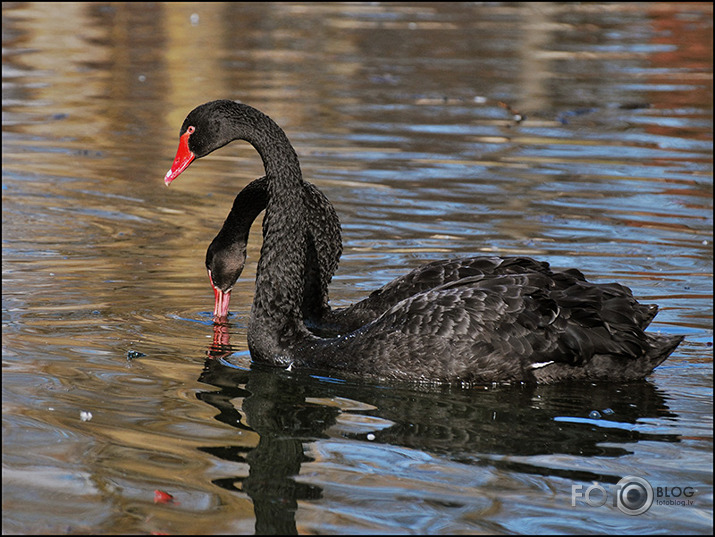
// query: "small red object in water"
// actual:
[[162, 497]]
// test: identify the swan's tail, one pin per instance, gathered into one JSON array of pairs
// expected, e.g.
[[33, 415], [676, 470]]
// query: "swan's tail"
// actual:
[[605, 367], [661, 346], [645, 313]]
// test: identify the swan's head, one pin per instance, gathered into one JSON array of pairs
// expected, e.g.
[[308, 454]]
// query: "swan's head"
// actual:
[[224, 264], [207, 128]]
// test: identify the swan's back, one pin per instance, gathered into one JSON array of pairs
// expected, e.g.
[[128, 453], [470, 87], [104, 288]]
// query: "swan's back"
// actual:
[[529, 326]]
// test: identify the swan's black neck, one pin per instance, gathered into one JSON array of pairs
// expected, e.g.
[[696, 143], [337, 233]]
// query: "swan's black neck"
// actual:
[[242, 122], [226, 256], [246, 208], [276, 316]]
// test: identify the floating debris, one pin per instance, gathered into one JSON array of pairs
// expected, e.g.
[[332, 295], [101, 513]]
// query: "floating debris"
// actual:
[[131, 355], [162, 497]]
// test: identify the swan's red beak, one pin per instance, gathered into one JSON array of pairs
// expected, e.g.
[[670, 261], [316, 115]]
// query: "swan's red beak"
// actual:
[[222, 298], [221, 304], [183, 158]]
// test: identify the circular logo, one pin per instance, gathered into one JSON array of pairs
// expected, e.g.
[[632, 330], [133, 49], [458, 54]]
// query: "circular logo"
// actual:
[[634, 495]]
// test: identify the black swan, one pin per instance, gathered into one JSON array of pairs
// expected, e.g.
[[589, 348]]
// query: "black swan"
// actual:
[[529, 325]]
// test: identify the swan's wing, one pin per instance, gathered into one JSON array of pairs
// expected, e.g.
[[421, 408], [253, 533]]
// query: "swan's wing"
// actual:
[[436, 273], [505, 327], [475, 329]]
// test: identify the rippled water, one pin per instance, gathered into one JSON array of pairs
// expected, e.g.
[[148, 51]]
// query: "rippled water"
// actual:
[[580, 134]]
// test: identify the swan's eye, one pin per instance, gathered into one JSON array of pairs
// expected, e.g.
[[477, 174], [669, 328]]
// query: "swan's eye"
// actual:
[[190, 130]]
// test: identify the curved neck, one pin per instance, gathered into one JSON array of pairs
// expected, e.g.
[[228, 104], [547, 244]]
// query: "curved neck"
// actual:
[[277, 305], [246, 207], [279, 158]]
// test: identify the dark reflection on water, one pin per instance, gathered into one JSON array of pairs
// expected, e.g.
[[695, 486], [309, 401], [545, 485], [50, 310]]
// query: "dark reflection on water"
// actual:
[[278, 413], [473, 427]]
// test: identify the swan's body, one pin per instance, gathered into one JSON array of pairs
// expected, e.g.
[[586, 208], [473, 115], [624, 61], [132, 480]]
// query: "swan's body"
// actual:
[[528, 324]]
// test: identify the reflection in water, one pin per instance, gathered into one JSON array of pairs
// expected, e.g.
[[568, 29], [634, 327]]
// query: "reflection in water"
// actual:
[[493, 426], [276, 409]]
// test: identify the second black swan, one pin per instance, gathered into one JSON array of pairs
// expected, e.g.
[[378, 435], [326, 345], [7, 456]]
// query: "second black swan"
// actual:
[[529, 325]]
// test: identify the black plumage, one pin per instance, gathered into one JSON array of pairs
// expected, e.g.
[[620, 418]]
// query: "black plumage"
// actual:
[[475, 320]]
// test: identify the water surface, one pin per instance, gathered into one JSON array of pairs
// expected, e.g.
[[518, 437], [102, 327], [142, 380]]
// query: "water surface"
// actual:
[[578, 134]]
